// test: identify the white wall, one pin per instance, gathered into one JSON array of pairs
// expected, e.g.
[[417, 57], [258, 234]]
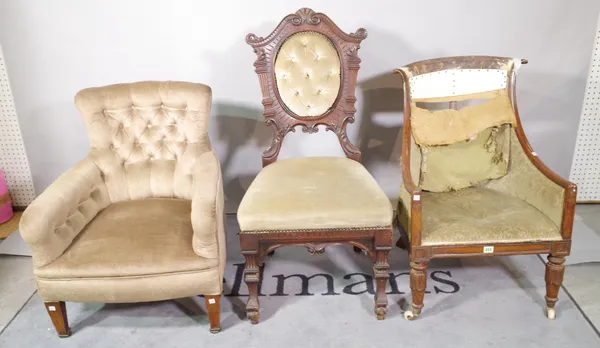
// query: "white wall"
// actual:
[[55, 48]]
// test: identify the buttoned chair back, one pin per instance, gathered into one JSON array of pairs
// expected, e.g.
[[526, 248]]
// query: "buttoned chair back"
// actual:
[[145, 137], [307, 69]]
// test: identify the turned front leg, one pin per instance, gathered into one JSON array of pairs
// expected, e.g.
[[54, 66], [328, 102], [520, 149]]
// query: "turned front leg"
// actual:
[[555, 271], [381, 270], [418, 284], [252, 279]]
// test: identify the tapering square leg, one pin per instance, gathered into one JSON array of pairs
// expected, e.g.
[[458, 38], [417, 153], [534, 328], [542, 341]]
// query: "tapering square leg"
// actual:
[[58, 315], [213, 307]]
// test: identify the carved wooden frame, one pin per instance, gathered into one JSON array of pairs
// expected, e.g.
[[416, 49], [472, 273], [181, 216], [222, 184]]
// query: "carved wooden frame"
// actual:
[[276, 113], [419, 254], [377, 241]]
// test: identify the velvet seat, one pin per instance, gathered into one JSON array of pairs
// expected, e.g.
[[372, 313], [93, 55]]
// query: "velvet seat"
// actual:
[[314, 193], [140, 218], [481, 215]]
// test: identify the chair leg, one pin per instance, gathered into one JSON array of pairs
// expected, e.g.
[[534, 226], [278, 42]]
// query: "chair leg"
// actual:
[[252, 278], [555, 270], [58, 315], [418, 283], [213, 307], [381, 270]]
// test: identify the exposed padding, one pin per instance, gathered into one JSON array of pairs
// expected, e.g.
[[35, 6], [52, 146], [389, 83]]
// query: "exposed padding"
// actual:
[[466, 163], [307, 71], [456, 82], [448, 126]]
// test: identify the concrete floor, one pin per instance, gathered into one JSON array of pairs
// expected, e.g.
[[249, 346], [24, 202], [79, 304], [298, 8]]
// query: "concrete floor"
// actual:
[[582, 282], [505, 310]]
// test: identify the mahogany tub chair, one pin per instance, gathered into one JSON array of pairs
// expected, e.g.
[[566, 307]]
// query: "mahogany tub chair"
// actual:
[[472, 185], [141, 217], [307, 69]]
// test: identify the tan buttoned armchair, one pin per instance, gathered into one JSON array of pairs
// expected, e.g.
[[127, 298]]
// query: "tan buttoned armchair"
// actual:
[[141, 217]]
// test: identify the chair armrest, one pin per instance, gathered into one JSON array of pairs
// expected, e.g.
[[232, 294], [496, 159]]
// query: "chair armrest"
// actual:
[[208, 208], [530, 180], [55, 218], [413, 209]]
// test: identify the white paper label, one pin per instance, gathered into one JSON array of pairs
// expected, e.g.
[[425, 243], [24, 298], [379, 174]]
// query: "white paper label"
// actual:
[[417, 197], [533, 153], [488, 249], [211, 301], [52, 308]]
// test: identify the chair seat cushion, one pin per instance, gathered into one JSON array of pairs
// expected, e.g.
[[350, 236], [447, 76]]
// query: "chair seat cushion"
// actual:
[[314, 193], [132, 239], [481, 215]]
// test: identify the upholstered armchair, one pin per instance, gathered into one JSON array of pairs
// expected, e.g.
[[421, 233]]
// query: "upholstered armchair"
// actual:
[[141, 217], [472, 185], [307, 69]]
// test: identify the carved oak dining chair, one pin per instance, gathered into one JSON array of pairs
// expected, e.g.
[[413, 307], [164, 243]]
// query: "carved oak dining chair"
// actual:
[[472, 185], [307, 69]]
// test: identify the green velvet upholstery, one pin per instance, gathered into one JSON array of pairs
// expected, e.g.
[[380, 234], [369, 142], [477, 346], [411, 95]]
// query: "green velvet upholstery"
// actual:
[[481, 215]]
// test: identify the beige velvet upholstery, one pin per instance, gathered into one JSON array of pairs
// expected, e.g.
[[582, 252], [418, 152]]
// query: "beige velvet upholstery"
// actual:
[[480, 215], [141, 217], [314, 193], [307, 71]]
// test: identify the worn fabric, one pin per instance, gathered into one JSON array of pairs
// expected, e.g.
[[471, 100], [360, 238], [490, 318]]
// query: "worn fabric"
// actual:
[[145, 137], [307, 72], [466, 163], [482, 215], [526, 182], [57, 216], [448, 126], [314, 193]]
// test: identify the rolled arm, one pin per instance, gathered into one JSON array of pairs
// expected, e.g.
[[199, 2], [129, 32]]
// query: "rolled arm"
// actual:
[[56, 217], [208, 207]]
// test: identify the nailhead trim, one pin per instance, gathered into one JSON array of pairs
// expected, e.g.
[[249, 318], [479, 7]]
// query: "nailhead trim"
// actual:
[[317, 230]]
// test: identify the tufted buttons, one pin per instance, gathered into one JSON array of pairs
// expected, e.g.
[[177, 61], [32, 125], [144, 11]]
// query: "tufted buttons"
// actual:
[[148, 125], [121, 126], [307, 72]]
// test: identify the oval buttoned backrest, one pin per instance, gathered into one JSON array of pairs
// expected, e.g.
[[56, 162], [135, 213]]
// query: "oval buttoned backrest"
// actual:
[[145, 136], [307, 70]]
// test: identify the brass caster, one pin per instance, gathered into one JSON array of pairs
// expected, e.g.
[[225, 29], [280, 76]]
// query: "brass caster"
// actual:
[[215, 330], [409, 315], [380, 313], [550, 313]]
